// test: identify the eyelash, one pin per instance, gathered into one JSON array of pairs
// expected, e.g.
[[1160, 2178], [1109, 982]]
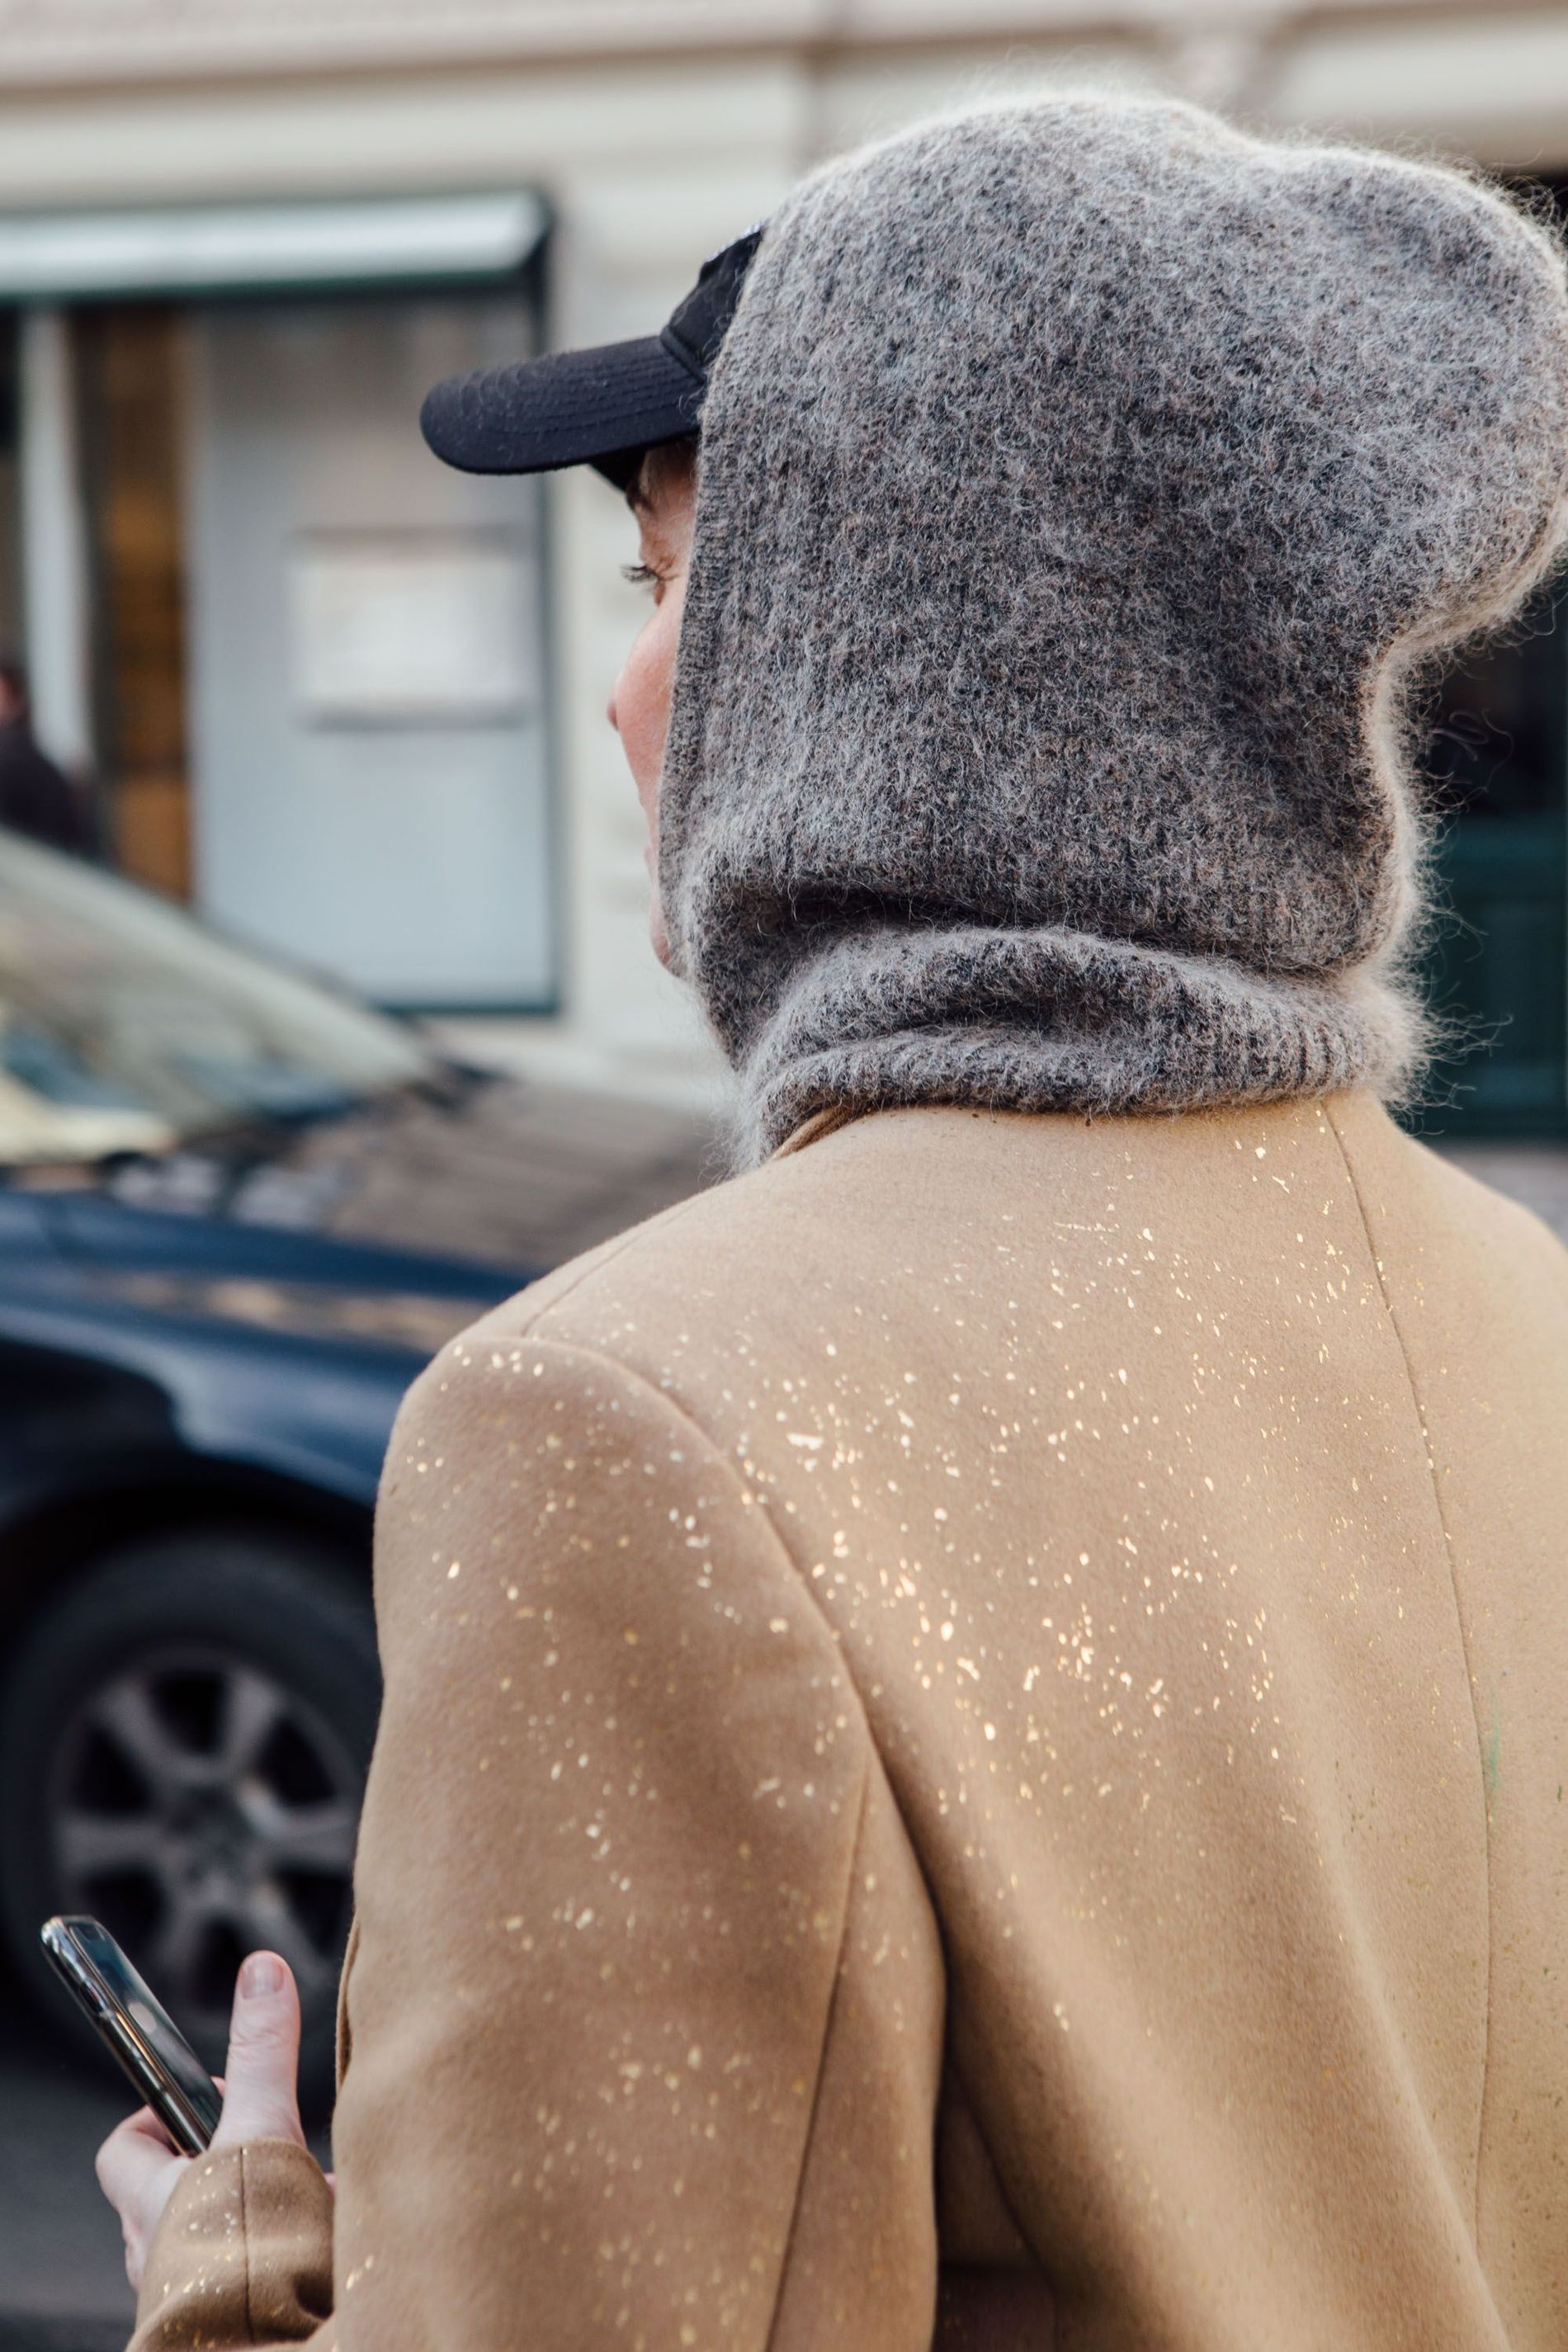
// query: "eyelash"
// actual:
[[641, 576]]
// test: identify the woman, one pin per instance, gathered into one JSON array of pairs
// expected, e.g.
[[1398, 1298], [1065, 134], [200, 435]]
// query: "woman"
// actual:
[[973, 1734]]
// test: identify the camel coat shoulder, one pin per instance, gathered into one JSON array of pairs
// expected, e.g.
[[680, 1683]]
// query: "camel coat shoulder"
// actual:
[[973, 1747]]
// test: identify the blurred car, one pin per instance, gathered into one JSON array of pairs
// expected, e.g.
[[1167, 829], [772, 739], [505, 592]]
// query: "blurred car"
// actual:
[[239, 1211]]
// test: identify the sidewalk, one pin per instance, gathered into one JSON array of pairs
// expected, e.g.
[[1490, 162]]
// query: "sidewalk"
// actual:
[[62, 2274], [28, 2334]]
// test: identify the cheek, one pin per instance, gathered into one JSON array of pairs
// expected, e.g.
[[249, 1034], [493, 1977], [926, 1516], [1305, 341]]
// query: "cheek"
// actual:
[[642, 696]]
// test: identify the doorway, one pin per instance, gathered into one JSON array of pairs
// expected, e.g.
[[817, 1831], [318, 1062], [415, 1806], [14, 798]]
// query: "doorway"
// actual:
[[127, 362], [368, 728]]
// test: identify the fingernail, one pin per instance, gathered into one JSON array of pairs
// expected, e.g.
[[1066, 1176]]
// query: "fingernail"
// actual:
[[262, 1973]]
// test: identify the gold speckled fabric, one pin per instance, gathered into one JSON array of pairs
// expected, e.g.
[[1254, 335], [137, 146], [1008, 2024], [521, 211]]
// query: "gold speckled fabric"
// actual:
[[974, 1750]]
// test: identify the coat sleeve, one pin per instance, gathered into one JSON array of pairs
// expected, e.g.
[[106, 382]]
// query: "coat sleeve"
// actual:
[[645, 2009]]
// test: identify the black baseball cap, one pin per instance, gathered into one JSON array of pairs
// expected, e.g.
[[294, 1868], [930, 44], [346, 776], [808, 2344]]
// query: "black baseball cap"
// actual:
[[601, 408]]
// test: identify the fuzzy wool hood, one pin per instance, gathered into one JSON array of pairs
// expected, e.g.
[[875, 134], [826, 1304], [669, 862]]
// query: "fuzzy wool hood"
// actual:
[[1082, 485]]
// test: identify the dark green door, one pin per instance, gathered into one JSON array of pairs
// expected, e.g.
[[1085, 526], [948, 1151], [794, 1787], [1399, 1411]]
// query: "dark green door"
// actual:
[[1498, 762]]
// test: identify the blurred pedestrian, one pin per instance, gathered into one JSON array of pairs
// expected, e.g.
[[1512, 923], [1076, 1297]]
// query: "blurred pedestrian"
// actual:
[[36, 797], [973, 1741]]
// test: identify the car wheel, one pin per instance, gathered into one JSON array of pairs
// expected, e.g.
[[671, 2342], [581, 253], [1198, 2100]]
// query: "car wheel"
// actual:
[[184, 1740]]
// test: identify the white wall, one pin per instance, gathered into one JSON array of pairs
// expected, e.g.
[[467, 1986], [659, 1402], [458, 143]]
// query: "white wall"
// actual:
[[649, 162], [645, 171]]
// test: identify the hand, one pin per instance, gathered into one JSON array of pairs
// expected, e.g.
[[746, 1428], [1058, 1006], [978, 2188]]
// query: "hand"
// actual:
[[139, 2167]]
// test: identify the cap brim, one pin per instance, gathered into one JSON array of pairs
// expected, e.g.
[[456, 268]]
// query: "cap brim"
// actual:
[[599, 408]]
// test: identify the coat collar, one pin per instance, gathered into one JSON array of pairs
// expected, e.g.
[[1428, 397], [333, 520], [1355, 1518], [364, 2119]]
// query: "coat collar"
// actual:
[[811, 1130]]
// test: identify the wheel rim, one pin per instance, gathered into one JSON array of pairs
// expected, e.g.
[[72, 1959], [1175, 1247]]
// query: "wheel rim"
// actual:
[[200, 1807]]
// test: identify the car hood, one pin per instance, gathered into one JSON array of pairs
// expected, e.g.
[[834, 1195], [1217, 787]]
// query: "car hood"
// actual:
[[134, 1268], [512, 1176], [285, 1350]]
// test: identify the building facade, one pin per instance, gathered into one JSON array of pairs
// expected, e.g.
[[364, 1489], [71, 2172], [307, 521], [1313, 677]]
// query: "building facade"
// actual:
[[351, 704]]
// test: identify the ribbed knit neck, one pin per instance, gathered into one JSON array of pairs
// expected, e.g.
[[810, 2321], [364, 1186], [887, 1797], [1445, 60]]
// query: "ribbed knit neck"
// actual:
[[1050, 1020]]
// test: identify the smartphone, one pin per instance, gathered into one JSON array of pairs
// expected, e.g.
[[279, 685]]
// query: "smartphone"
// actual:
[[165, 2070]]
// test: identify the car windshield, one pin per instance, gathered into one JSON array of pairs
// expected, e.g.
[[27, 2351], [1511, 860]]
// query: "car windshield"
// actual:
[[126, 1026]]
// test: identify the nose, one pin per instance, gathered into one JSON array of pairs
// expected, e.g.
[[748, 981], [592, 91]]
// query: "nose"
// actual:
[[610, 711]]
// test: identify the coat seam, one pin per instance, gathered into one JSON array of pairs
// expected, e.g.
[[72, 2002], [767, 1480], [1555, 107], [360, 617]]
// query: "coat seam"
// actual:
[[822, 2051], [1435, 1485], [344, 2033], [245, 2246], [605, 1255], [756, 1513], [754, 1509]]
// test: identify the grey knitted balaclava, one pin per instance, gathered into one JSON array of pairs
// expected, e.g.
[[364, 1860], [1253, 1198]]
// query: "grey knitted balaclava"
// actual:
[[1082, 483]]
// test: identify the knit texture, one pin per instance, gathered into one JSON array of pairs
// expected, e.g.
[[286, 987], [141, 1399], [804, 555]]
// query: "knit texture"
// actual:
[[1082, 485]]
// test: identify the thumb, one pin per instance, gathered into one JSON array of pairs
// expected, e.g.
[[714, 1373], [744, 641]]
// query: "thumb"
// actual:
[[260, 2099]]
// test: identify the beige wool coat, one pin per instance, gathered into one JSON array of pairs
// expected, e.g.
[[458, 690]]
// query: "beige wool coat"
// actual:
[[975, 1743]]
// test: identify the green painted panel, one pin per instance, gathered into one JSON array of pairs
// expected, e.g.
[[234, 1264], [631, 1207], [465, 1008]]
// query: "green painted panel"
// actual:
[[1498, 761]]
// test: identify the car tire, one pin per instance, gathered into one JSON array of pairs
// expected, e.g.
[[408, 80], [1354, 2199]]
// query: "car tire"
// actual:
[[184, 1732]]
